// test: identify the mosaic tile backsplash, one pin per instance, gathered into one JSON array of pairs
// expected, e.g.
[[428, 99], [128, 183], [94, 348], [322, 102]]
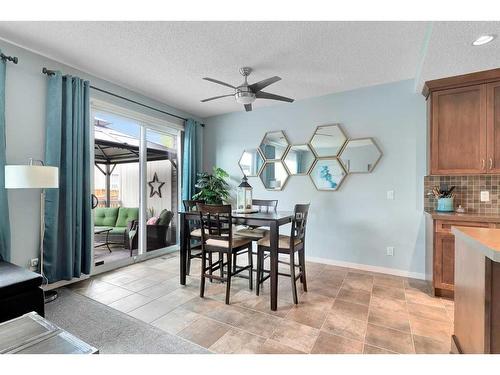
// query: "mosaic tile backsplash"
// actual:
[[467, 192]]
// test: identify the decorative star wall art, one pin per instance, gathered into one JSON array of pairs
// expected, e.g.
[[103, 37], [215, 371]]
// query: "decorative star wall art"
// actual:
[[155, 186]]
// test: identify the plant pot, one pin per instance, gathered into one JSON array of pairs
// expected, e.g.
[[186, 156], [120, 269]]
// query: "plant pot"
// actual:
[[445, 205]]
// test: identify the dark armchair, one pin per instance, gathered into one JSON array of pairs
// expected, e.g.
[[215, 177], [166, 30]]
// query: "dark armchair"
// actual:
[[156, 234]]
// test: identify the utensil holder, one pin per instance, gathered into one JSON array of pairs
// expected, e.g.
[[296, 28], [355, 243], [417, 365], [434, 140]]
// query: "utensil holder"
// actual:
[[445, 205]]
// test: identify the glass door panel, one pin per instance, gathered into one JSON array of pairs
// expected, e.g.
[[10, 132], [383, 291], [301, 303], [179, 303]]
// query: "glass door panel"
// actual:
[[116, 187], [161, 189]]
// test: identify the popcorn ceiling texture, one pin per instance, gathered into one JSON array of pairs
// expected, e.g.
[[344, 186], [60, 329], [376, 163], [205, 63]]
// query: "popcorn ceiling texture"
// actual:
[[467, 189]]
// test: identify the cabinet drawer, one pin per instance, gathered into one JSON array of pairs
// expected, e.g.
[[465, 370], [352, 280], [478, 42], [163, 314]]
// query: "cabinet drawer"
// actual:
[[445, 226]]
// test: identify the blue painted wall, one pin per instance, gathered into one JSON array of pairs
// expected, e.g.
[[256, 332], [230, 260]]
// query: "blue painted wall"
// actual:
[[357, 223]]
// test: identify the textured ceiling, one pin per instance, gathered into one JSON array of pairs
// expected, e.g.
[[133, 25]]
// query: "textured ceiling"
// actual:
[[166, 60], [450, 51]]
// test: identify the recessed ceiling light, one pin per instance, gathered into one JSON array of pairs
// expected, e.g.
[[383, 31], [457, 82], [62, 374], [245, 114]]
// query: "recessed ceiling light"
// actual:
[[483, 39]]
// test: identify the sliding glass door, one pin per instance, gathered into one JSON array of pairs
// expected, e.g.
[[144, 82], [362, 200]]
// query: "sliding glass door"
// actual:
[[135, 187]]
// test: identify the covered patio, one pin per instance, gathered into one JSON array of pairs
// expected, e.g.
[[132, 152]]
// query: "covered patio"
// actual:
[[120, 153]]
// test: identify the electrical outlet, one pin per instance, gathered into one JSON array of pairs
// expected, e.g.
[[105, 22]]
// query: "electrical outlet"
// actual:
[[390, 195], [34, 262], [485, 196], [390, 251]]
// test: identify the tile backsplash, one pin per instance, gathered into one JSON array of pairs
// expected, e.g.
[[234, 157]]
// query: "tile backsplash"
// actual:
[[467, 192]]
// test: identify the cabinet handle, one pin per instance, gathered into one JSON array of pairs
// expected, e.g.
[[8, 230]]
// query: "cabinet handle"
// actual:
[[482, 164], [491, 163]]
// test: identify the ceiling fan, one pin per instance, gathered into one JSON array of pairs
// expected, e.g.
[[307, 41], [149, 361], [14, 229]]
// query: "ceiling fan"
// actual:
[[246, 94]]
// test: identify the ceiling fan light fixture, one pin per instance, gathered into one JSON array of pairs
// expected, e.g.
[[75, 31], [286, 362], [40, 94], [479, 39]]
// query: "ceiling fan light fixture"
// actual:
[[483, 39], [245, 97]]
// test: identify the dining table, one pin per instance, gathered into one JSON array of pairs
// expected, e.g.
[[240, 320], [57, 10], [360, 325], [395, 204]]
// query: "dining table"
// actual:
[[273, 220]]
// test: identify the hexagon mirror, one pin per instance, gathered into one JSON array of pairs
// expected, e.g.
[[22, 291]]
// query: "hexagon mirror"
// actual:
[[360, 155], [299, 159], [274, 175], [328, 140], [274, 145], [327, 174], [251, 162]]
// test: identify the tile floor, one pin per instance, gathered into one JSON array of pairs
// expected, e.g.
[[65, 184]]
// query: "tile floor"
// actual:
[[345, 310]]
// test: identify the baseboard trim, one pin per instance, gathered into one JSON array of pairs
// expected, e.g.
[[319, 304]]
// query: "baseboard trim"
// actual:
[[368, 267]]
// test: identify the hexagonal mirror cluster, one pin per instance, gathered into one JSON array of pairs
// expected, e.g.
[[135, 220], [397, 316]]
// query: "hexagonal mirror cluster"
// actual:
[[299, 159], [274, 145], [251, 162], [327, 174], [328, 140], [274, 175], [360, 155], [328, 158]]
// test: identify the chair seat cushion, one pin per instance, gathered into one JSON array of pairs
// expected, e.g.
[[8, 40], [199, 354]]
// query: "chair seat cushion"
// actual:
[[284, 242], [254, 233], [237, 242], [196, 233], [15, 279], [118, 230]]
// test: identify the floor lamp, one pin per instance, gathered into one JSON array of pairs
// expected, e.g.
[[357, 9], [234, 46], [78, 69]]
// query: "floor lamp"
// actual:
[[35, 177]]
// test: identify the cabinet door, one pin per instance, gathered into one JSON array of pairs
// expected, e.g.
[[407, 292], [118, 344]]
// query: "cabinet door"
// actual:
[[493, 131], [444, 261], [458, 138]]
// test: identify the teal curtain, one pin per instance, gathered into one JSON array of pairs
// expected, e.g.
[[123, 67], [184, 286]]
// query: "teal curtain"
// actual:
[[192, 157], [4, 205], [67, 242]]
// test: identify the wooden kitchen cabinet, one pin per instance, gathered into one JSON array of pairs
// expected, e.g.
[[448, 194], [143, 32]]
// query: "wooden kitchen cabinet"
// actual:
[[444, 261], [444, 253], [464, 123], [493, 127]]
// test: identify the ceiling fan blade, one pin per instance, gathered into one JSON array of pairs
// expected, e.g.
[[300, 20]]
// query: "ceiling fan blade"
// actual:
[[256, 87], [215, 97], [248, 107], [266, 95], [219, 82]]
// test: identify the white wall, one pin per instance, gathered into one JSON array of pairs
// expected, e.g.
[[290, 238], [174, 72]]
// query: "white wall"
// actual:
[[356, 223], [25, 119]]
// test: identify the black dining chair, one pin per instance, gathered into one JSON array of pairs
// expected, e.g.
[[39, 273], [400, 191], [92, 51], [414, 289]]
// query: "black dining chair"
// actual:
[[295, 243], [194, 233], [256, 233], [217, 237]]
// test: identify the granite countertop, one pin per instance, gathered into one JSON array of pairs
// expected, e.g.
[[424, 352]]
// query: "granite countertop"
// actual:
[[485, 240], [455, 216]]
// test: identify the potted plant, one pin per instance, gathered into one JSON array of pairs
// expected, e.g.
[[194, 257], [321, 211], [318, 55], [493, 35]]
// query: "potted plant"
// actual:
[[213, 188]]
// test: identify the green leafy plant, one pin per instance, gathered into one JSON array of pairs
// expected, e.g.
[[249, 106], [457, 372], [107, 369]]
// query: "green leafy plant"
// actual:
[[213, 188]]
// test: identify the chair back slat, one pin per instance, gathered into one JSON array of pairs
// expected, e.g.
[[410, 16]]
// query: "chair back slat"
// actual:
[[299, 222], [191, 205], [265, 205], [216, 222]]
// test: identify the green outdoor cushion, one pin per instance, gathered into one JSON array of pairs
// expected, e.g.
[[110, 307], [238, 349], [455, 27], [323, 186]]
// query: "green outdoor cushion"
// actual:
[[125, 215], [165, 218], [97, 228], [118, 230], [105, 216]]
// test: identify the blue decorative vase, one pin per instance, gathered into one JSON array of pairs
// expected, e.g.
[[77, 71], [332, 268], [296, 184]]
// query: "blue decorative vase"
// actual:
[[445, 205]]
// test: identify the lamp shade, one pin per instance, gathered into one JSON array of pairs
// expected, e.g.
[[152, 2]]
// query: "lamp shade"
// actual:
[[31, 177]]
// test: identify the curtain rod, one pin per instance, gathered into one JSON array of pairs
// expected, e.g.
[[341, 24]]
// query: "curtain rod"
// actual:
[[52, 72], [13, 59]]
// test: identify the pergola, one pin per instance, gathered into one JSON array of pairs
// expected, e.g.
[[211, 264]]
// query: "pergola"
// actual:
[[113, 147]]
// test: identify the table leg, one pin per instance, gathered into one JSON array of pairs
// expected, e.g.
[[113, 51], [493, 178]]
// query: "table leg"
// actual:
[[274, 235], [183, 249], [107, 241]]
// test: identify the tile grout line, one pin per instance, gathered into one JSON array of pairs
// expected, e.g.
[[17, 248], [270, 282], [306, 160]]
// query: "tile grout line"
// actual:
[[368, 316], [281, 319]]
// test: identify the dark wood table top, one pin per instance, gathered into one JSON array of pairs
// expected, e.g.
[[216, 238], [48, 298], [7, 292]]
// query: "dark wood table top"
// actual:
[[255, 215]]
